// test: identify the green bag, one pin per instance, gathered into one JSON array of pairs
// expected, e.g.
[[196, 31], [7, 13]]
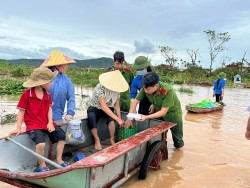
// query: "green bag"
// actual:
[[124, 133]]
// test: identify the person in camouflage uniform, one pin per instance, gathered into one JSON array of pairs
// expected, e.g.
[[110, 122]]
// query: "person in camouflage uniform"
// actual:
[[119, 64]]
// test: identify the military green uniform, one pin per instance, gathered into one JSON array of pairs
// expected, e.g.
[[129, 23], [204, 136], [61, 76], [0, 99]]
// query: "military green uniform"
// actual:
[[125, 96], [166, 97]]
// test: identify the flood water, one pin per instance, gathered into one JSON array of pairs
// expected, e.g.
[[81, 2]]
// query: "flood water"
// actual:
[[216, 153]]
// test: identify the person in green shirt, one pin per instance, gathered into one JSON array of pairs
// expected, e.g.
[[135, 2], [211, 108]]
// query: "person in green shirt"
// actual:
[[166, 103], [119, 64]]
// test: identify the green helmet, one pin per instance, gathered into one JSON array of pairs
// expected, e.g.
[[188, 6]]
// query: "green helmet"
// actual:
[[141, 62], [222, 75]]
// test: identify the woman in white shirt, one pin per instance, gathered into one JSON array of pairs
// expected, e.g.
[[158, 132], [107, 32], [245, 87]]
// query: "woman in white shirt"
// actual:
[[105, 102]]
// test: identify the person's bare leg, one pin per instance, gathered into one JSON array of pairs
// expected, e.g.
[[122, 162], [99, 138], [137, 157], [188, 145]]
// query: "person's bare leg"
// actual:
[[40, 150], [98, 145], [59, 151], [112, 132]]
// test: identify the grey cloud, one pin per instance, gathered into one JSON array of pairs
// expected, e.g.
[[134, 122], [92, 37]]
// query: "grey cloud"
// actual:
[[67, 51], [179, 24], [144, 46], [12, 52], [2, 38], [7, 52]]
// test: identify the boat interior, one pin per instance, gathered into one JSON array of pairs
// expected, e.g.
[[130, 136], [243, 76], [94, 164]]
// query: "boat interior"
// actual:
[[18, 159]]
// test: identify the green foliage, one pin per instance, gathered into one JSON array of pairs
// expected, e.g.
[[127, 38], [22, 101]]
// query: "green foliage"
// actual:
[[9, 118], [17, 72], [186, 90], [246, 76], [5, 68], [12, 76], [196, 71], [85, 76], [196, 75], [166, 79], [179, 82], [11, 87]]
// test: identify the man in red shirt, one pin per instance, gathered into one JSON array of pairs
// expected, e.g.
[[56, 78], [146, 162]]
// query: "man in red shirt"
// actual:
[[36, 112]]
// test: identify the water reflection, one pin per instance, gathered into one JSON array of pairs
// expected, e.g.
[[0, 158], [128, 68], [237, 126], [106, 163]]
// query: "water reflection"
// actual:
[[214, 118], [216, 121], [174, 168]]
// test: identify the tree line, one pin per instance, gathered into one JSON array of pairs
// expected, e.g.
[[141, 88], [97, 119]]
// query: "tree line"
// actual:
[[216, 45]]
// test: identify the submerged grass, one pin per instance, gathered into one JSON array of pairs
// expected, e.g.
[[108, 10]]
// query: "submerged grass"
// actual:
[[186, 90]]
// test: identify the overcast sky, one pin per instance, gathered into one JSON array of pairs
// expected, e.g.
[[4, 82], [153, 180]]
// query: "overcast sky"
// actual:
[[84, 29]]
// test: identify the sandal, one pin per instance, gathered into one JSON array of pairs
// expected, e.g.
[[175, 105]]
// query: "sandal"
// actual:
[[42, 169], [65, 164]]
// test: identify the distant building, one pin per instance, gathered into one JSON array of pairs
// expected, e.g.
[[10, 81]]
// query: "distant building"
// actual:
[[183, 66], [232, 66], [169, 67], [237, 79]]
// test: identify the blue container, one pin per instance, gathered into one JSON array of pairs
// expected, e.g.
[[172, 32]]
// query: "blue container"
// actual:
[[79, 156]]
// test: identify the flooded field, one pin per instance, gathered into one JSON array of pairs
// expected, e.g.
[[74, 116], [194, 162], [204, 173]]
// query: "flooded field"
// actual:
[[216, 153]]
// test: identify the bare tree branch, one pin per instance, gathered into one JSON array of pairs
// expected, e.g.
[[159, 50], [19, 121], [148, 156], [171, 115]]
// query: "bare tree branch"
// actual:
[[216, 44], [243, 60], [169, 54], [193, 55]]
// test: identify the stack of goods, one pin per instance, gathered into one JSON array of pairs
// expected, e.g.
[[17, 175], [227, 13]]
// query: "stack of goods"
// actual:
[[204, 104]]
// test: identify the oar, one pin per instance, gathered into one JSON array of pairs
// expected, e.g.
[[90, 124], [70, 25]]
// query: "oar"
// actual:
[[34, 153]]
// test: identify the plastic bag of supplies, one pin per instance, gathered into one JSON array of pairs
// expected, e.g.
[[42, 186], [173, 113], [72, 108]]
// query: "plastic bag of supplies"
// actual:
[[74, 133]]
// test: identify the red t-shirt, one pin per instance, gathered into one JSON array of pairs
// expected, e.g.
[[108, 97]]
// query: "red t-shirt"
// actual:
[[36, 110]]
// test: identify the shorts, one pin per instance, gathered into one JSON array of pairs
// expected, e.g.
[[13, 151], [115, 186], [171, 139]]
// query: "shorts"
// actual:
[[38, 135], [94, 114]]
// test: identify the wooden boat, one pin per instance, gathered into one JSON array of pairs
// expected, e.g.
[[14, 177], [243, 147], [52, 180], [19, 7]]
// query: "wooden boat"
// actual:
[[204, 110], [109, 167]]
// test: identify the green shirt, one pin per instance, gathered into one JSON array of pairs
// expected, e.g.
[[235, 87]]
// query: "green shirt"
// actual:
[[166, 97], [126, 72], [124, 97]]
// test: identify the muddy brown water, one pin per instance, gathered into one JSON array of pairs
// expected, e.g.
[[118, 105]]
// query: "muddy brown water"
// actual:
[[216, 153]]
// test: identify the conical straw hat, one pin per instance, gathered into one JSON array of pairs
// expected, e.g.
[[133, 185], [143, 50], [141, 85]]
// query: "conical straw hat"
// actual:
[[114, 81], [57, 58]]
